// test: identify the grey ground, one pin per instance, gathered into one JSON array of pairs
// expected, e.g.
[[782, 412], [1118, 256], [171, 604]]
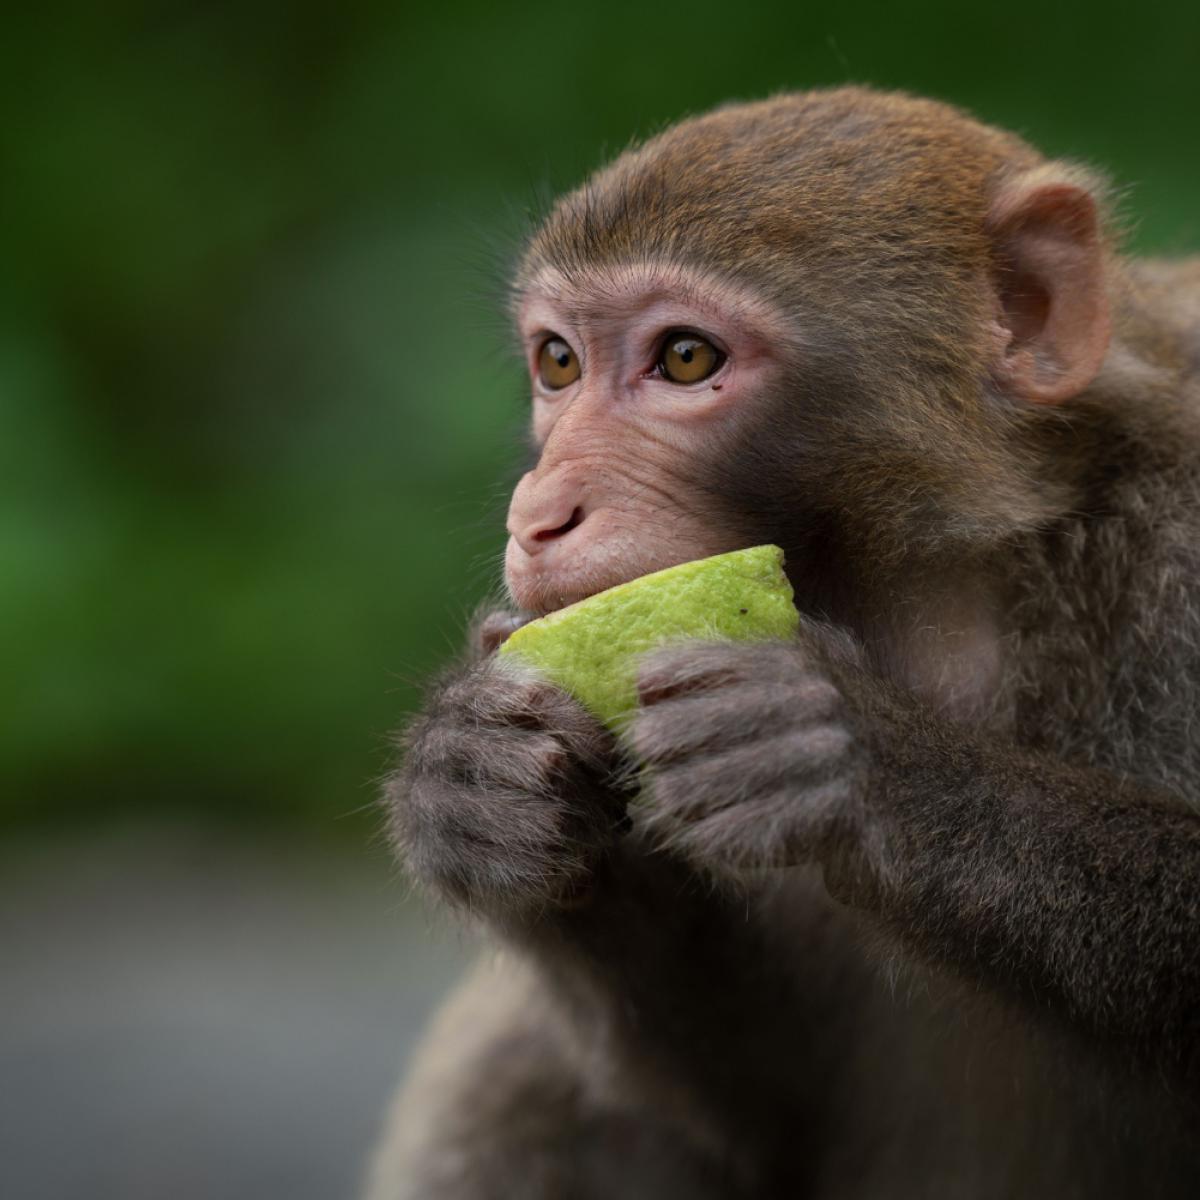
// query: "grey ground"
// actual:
[[184, 1015]]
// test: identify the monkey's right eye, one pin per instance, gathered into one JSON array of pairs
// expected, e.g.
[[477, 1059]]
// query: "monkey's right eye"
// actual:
[[557, 364]]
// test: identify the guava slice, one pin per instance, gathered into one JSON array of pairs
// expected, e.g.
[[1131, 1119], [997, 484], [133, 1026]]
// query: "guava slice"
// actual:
[[591, 648]]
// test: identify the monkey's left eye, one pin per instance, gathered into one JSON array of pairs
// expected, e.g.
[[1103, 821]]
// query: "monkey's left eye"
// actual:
[[557, 364], [688, 358]]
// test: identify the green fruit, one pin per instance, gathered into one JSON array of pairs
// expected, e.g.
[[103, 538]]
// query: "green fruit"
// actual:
[[591, 649]]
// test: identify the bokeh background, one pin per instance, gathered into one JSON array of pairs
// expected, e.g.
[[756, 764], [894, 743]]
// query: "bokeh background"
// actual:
[[258, 423]]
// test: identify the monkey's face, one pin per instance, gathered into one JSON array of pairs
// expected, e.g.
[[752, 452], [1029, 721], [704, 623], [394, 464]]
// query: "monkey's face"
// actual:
[[837, 325], [641, 375]]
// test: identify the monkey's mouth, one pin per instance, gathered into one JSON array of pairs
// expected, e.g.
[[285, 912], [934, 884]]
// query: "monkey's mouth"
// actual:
[[539, 588], [602, 551], [562, 573], [539, 598]]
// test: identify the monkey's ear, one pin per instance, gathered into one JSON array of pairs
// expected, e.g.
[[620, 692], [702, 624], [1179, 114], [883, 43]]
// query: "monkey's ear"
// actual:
[[1050, 284]]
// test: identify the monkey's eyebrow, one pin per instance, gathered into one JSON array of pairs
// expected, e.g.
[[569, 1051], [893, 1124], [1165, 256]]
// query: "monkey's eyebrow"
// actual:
[[739, 330], [613, 290]]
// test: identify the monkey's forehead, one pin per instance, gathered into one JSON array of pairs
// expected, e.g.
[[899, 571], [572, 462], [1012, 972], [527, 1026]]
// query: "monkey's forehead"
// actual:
[[550, 296], [814, 174]]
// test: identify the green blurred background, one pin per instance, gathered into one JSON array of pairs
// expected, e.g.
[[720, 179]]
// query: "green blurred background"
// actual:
[[258, 425], [257, 411]]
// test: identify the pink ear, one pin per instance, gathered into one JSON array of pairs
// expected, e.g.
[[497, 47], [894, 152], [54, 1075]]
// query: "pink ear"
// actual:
[[1053, 307]]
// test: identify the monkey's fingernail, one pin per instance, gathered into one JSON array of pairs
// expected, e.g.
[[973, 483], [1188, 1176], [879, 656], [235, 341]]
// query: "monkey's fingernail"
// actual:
[[498, 628]]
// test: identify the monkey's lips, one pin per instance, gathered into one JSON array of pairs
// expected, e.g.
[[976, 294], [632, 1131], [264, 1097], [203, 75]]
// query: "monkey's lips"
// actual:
[[564, 573], [540, 588]]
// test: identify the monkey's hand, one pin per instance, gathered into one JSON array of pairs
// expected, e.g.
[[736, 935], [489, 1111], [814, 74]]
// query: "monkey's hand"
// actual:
[[502, 802], [750, 752]]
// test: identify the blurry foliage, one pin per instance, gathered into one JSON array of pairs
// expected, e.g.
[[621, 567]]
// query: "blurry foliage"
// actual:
[[257, 412]]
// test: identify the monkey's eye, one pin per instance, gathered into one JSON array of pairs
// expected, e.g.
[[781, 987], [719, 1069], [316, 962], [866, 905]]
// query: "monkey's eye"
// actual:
[[688, 358], [557, 364]]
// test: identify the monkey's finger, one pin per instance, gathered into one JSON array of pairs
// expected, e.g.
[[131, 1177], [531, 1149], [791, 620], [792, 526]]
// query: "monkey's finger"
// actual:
[[702, 666], [692, 723], [490, 630], [485, 848], [527, 761], [513, 694], [781, 828], [688, 667], [792, 763], [497, 817], [492, 706], [502, 693]]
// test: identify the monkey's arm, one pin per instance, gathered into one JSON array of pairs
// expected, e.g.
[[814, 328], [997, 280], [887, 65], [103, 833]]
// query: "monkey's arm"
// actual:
[[1064, 886], [510, 804]]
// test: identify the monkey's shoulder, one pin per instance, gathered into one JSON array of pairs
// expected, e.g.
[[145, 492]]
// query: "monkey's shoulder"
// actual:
[[1167, 291], [1176, 277]]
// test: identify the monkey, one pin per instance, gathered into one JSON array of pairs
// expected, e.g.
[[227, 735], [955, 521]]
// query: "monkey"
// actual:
[[909, 905]]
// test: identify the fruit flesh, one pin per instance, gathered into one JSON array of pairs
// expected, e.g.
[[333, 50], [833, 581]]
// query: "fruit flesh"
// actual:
[[591, 649]]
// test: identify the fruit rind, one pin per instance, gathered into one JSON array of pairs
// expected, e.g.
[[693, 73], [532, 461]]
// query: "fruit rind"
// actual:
[[591, 648]]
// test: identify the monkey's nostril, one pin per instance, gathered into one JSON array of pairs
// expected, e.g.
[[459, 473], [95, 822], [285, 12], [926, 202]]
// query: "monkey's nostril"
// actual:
[[546, 535]]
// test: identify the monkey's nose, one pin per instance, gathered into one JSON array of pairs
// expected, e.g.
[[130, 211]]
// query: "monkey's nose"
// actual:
[[533, 536]]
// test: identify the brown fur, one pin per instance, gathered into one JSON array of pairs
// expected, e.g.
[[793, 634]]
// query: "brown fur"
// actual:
[[910, 907]]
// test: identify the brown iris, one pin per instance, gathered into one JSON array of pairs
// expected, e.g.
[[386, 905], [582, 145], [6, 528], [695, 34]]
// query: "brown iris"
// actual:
[[688, 358], [557, 364]]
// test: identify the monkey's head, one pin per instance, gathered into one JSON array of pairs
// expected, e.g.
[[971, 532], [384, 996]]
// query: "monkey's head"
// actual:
[[839, 321]]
